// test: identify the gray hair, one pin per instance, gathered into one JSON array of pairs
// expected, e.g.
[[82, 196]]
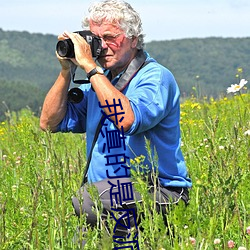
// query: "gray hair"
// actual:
[[120, 13]]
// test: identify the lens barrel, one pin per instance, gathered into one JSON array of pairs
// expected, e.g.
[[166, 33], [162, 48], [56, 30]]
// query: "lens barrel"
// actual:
[[65, 48], [75, 95]]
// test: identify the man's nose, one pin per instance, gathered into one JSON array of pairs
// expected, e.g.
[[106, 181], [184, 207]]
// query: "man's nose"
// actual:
[[104, 44]]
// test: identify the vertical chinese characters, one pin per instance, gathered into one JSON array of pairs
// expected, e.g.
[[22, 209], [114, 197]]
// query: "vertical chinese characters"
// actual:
[[121, 189]]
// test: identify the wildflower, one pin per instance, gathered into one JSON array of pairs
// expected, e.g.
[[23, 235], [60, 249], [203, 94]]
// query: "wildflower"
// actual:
[[192, 240], [247, 133], [230, 244], [132, 162], [242, 248], [195, 106], [221, 147], [248, 230], [14, 188], [216, 241], [198, 182], [240, 70], [137, 160], [237, 87], [45, 216]]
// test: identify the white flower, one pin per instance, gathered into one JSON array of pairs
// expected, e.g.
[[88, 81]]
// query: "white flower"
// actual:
[[246, 133], [217, 241], [242, 248], [22, 210], [237, 87]]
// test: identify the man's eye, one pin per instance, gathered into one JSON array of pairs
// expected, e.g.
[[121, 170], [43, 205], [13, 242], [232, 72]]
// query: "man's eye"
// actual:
[[108, 37]]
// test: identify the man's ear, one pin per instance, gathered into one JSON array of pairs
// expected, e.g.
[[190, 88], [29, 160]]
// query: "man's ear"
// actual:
[[134, 42]]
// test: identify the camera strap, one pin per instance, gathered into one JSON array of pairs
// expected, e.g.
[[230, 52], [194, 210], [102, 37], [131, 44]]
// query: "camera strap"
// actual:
[[136, 64]]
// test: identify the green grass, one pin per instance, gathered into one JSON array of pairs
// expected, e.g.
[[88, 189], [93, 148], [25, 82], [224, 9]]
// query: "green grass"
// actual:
[[40, 172]]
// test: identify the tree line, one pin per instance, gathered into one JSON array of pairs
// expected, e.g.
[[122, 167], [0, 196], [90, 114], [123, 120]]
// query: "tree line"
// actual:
[[202, 67]]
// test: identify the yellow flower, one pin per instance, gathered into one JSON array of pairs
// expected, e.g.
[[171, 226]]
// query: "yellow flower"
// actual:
[[195, 105], [240, 70]]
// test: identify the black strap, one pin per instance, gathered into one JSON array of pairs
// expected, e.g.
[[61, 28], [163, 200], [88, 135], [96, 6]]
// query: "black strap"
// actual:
[[136, 64], [98, 129]]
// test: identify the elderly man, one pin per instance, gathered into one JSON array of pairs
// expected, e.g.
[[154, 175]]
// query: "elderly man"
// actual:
[[133, 96]]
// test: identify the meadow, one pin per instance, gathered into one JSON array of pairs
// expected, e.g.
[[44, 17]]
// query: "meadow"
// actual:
[[40, 172]]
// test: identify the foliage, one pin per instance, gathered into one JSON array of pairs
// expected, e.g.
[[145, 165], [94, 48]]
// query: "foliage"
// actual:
[[28, 68], [28, 58], [37, 181], [41, 171], [14, 95]]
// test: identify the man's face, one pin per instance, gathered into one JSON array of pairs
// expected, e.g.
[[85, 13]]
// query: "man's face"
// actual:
[[118, 50]]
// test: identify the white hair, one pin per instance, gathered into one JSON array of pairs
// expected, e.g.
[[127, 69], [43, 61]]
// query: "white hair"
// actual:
[[120, 13]]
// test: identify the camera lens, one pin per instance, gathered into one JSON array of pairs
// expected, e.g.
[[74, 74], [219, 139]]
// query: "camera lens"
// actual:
[[75, 95], [65, 48]]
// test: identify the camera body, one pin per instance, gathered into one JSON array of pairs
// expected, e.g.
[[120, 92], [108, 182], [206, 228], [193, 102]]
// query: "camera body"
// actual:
[[65, 48]]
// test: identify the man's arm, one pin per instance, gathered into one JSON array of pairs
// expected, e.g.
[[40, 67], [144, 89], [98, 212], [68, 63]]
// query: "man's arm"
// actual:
[[55, 103], [105, 91]]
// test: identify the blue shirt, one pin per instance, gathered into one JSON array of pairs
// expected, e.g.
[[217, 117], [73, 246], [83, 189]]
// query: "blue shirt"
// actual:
[[154, 97]]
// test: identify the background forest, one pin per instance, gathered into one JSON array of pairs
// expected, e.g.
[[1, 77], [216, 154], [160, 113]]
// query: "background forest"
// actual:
[[202, 67]]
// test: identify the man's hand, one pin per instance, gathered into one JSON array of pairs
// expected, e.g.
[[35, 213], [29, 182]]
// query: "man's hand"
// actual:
[[66, 63], [83, 54]]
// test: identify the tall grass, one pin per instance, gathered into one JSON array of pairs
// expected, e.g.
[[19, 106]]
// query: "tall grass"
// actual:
[[40, 172]]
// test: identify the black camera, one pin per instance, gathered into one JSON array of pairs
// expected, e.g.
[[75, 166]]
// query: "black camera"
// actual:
[[65, 48]]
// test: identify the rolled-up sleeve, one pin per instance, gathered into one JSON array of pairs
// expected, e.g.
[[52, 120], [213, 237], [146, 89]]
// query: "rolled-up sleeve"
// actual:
[[152, 99]]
